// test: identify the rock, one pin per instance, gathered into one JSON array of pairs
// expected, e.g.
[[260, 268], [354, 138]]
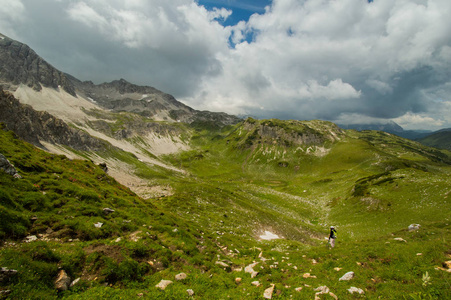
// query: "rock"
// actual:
[[307, 275], [314, 262], [222, 264], [62, 281], [250, 269], [163, 284], [347, 276], [98, 224], [190, 292], [108, 211], [298, 289], [333, 295], [180, 276], [400, 240], [268, 292], [337, 269], [256, 283], [353, 290], [118, 240], [322, 289], [237, 280], [6, 166], [6, 273], [414, 227], [74, 282], [30, 238], [447, 264]]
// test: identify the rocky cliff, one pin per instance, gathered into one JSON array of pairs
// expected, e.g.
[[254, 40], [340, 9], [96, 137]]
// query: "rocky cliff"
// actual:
[[19, 64], [34, 126]]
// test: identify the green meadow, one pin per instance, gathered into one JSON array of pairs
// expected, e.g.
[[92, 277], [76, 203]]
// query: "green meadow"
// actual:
[[291, 178]]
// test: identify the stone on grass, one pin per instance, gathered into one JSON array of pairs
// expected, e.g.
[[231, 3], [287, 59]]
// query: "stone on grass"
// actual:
[[353, 290], [30, 238], [447, 264], [337, 269], [298, 289], [222, 264], [400, 239], [190, 292], [74, 282], [62, 281], [413, 227], [308, 275], [250, 269], [256, 283], [108, 210], [180, 276], [163, 284], [347, 276], [268, 292], [238, 279], [98, 224], [322, 289]]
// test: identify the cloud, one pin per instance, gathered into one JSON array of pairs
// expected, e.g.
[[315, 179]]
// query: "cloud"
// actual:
[[11, 11], [297, 59]]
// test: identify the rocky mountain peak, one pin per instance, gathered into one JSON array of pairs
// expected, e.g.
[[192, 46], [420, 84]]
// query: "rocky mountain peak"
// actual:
[[19, 64]]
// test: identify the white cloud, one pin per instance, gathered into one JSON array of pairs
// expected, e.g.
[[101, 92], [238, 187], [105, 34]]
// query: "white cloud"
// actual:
[[11, 11], [298, 59]]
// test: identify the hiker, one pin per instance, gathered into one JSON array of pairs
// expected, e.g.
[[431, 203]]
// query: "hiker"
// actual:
[[332, 236]]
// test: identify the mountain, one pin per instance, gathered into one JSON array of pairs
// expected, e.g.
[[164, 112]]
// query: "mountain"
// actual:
[[439, 139], [125, 199], [390, 127], [21, 66]]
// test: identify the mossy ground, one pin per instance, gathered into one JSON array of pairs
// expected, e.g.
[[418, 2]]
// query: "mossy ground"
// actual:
[[370, 185]]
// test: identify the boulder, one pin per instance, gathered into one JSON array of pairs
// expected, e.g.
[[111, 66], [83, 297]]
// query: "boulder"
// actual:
[[268, 292], [353, 290], [98, 224], [180, 276], [163, 284], [250, 269], [6, 166], [347, 276], [108, 210], [414, 227], [62, 281]]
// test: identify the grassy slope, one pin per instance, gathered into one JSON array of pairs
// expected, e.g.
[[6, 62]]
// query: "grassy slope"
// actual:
[[371, 185]]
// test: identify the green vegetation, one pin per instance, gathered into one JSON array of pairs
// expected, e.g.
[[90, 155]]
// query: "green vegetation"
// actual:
[[290, 178]]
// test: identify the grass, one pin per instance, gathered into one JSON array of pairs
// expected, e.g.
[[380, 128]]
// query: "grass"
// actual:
[[240, 181]]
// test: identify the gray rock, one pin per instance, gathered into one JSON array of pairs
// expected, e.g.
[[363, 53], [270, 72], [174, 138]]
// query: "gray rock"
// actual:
[[6, 166], [62, 281], [353, 290], [181, 276], [190, 292], [108, 211], [414, 227], [163, 284], [347, 276]]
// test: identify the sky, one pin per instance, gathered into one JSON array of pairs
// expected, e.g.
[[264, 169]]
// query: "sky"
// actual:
[[347, 61]]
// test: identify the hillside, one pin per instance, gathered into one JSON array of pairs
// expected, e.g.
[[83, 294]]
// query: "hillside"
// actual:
[[288, 178], [440, 139]]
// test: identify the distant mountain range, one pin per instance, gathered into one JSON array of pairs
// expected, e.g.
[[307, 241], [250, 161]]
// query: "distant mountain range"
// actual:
[[438, 139]]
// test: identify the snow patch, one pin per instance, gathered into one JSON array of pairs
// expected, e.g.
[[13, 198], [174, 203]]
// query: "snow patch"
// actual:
[[268, 236]]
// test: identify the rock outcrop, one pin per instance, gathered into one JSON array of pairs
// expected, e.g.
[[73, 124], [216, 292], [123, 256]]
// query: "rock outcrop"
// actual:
[[7, 167], [21, 65], [34, 127]]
